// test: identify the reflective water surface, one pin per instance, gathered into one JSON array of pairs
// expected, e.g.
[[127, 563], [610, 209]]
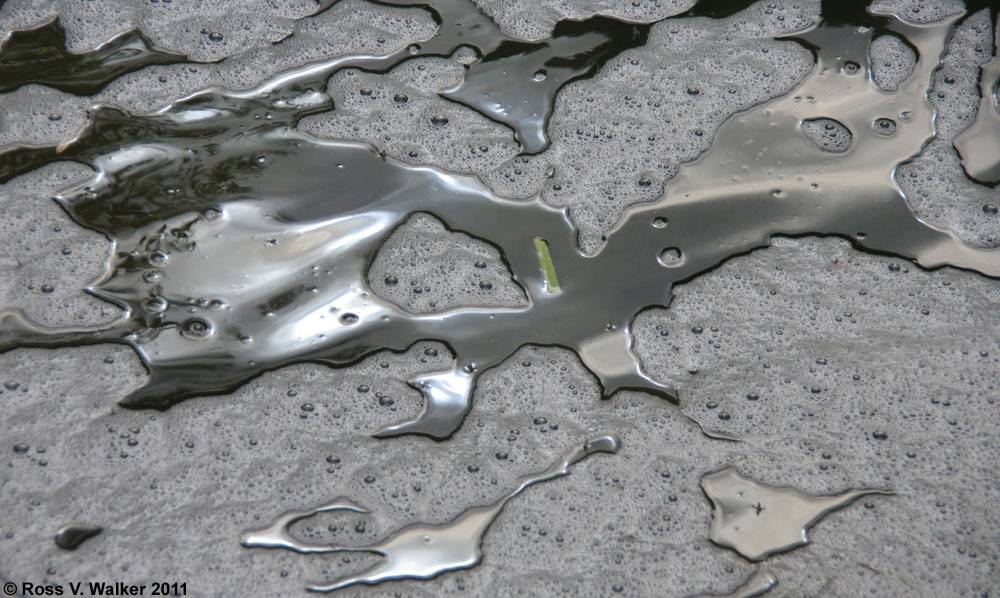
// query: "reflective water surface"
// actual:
[[758, 521], [242, 245], [419, 550], [220, 174]]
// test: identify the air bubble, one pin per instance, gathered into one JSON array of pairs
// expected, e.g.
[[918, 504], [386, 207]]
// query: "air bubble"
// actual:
[[670, 257], [156, 304], [884, 126], [157, 258], [196, 328]]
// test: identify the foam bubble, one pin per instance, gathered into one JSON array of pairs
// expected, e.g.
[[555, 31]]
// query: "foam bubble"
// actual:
[[422, 267], [919, 11], [829, 134]]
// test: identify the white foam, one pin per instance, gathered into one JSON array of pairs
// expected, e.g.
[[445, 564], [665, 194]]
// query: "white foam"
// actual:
[[935, 185], [892, 61], [423, 267]]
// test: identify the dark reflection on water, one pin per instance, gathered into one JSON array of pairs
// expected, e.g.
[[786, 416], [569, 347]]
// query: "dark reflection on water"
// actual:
[[242, 245], [39, 55]]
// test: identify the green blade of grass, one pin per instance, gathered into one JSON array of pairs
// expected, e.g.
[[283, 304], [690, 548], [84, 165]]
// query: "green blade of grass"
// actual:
[[548, 268]]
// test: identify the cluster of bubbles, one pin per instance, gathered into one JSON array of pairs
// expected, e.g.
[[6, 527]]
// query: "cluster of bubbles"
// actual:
[[934, 182], [49, 258], [423, 267], [829, 134], [920, 11], [844, 298], [892, 61]]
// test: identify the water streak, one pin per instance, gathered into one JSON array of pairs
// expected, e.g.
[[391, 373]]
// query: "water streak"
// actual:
[[757, 520], [759, 583], [418, 550]]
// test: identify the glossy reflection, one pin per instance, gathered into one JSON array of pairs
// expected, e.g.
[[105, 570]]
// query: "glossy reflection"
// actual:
[[70, 537], [534, 71], [759, 583], [419, 550], [239, 249], [39, 55], [757, 520]]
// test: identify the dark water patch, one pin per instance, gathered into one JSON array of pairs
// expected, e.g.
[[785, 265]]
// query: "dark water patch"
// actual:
[[70, 537], [39, 55], [513, 81], [304, 234], [243, 245], [846, 13], [718, 9]]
